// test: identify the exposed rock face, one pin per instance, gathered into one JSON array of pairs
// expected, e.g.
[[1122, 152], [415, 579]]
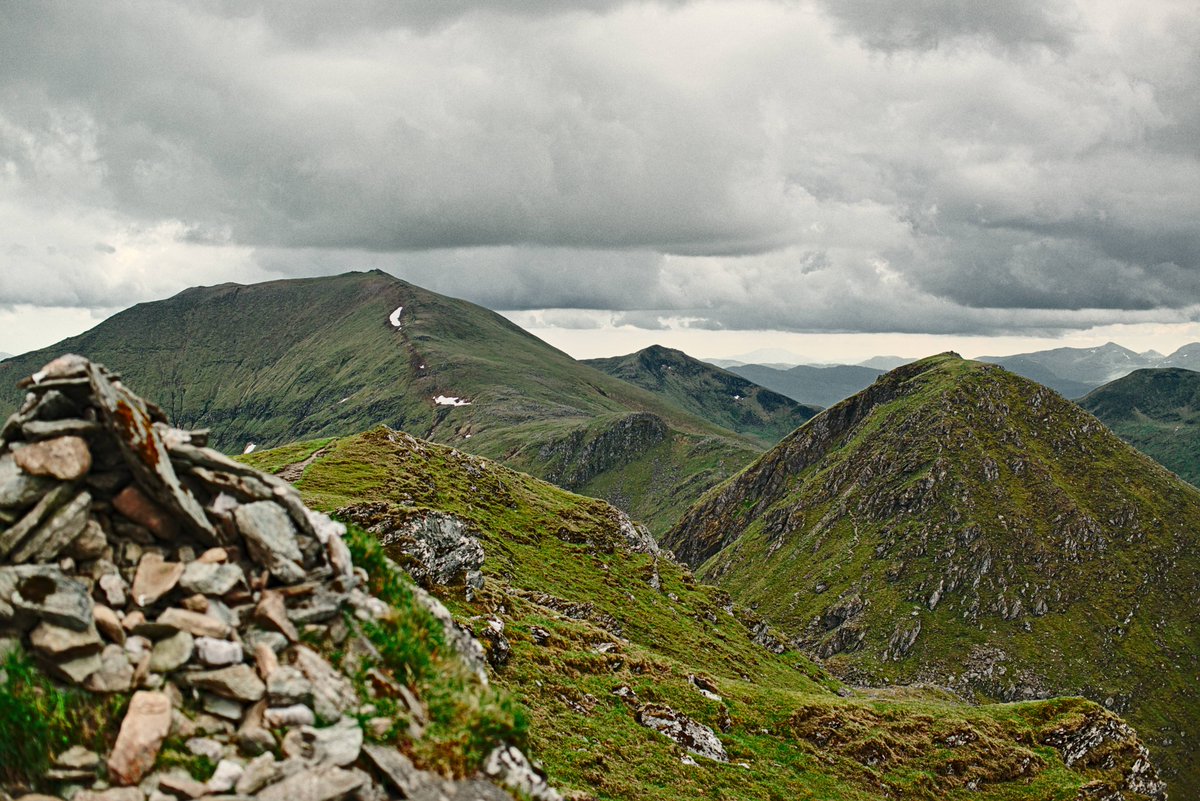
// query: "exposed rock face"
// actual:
[[137, 560], [443, 551], [1103, 740], [579, 457]]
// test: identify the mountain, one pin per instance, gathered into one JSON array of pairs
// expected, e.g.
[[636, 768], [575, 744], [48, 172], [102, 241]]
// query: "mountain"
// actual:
[[815, 386], [1157, 412], [5, 356], [885, 362], [606, 643], [958, 524], [281, 361], [716, 395], [1074, 372], [1187, 357]]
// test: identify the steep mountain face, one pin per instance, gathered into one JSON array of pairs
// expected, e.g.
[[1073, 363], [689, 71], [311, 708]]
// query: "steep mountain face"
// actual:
[[959, 524], [287, 360], [1155, 411], [641, 683], [815, 386], [716, 395]]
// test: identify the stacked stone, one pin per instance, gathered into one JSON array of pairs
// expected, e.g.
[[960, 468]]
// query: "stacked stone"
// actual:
[[133, 559]]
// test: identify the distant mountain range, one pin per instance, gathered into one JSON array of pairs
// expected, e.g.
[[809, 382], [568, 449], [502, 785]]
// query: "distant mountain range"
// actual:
[[1071, 372], [1074, 372], [816, 386]]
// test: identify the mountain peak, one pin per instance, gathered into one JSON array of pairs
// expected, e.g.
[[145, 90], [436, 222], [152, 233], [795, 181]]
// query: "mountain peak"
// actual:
[[954, 519]]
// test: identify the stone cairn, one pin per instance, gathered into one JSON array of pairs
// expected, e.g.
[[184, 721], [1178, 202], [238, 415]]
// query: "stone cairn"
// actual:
[[133, 559]]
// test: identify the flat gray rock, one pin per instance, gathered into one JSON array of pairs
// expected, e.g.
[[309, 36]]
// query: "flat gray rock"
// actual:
[[171, 653], [58, 642], [317, 784], [58, 532], [270, 536], [47, 594], [18, 489]]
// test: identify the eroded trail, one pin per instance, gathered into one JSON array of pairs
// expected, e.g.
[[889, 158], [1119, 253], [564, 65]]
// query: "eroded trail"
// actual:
[[292, 472]]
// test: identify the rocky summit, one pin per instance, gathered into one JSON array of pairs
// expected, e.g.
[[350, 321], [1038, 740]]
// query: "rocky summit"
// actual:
[[957, 524], [183, 626]]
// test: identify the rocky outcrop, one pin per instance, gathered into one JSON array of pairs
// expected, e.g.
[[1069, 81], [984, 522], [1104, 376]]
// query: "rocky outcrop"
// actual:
[[135, 560], [1102, 740], [438, 550], [582, 455], [695, 737]]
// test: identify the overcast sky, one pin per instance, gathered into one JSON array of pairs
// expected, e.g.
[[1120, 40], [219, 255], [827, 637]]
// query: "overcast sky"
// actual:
[[836, 177]]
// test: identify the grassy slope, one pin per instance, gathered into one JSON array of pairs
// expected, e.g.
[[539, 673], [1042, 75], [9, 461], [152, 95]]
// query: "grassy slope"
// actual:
[[790, 734], [961, 481], [1157, 412], [711, 393], [288, 360]]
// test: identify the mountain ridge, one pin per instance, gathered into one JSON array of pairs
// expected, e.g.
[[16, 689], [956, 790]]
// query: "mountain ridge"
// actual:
[[1156, 410], [959, 524], [720, 396], [602, 637], [281, 361]]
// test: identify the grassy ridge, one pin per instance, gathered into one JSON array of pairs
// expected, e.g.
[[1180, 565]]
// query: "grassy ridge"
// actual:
[[959, 524], [1157, 412], [788, 729], [711, 393]]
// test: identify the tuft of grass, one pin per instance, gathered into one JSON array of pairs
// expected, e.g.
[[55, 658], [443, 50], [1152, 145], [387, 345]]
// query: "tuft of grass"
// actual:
[[38, 720], [175, 754], [466, 719]]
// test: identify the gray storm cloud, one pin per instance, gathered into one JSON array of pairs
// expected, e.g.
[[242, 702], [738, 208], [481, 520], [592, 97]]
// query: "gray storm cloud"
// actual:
[[861, 165]]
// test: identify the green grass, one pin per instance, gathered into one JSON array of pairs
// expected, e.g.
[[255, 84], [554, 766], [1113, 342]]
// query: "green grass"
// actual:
[[466, 719], [1157, 412], [275, 459], [39, 719], [555, 561]]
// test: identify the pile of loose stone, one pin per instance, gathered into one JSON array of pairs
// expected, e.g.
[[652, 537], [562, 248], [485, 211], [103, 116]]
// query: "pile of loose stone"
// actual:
[[135, 560]]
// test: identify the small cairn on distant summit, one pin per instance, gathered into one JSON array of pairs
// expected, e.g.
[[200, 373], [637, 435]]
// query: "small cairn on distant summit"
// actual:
[[133, 559]]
